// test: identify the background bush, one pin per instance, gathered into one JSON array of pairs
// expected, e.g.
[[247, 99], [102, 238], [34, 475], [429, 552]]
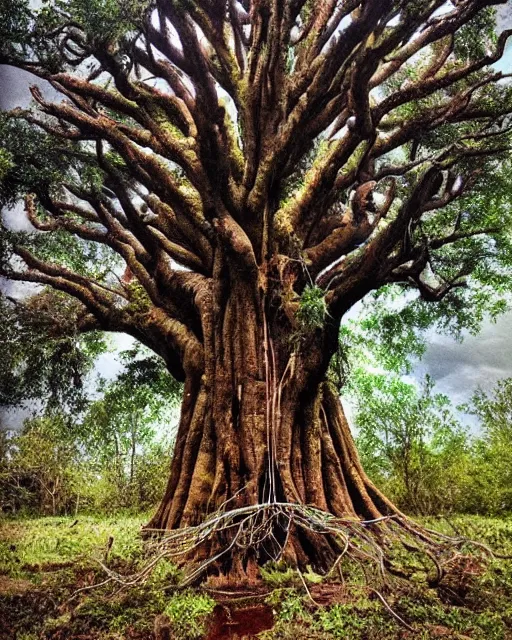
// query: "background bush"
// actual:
[[114, 457], [414, 447]]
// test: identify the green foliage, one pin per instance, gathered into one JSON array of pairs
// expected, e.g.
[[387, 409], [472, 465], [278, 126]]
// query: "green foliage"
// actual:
[[87, 258], [46, 541], [495, 411], [474, 38], [51, 557], [40, 362], [396, 318], [35, 32], [14, 23], [352, 621], [41, 468], [413, 447], [487, 259], [105, 20], [493, 453], [110, 489], [166, 574], [115, 617], [6, 163], [119, 433], [482, 611], [278, 576], [411, 442], [312, 310], [109, 459], [293, 618], [31, 160], [291, 607], [188, 611], [387, 334]]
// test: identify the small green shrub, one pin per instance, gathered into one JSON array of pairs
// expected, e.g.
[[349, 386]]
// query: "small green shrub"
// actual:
[[340, 621], [353, 621], [279, 575], [312, 309], [188, 612], [165, 574], [292, 608]]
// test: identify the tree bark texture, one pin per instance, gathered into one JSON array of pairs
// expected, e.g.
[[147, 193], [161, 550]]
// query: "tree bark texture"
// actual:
[[260, 422]]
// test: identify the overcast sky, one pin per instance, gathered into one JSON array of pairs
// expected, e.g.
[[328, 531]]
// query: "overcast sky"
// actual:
[[458, 369]]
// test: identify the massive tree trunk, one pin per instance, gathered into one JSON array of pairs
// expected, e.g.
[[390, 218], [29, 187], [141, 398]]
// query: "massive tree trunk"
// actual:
[[261, 423]]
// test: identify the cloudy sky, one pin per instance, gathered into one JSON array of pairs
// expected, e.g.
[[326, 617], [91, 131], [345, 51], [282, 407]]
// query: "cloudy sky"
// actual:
[[458, 369], [480, 361]]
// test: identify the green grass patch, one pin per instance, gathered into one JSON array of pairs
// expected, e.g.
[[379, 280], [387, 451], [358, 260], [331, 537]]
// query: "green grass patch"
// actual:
[[44, 561], [37, 543], [188, 612]]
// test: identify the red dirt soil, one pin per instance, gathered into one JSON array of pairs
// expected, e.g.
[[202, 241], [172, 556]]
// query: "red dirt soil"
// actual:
[[228, 623]]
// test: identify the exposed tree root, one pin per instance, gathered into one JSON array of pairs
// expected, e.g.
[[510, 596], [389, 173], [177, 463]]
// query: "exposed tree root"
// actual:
[[373, 554], [249, 533]]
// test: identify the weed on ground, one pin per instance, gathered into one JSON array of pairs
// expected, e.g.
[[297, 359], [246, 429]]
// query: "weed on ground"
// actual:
[[49, 590]]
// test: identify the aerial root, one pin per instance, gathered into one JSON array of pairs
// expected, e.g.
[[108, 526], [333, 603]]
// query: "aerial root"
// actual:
[[244, 531], [247, 529]]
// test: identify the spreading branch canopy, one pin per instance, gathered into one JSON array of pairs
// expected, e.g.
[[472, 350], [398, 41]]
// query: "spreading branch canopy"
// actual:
[[351, 145]]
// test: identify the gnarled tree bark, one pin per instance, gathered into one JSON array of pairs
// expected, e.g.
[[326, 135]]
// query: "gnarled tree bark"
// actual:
[[261, 423]]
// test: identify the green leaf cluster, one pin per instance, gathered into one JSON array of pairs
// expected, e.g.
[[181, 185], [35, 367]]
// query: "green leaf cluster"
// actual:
[[188, 611], [477, 36], [15, 20], [312, 311], [410, 440], [104, 20], [30, 160], [38, 363]]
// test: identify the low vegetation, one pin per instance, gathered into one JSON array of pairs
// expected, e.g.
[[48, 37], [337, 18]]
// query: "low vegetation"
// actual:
[[50, 587], [101, 475], [108, 458]]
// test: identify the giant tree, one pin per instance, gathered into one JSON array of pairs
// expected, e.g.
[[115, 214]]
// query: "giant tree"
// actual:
[[225, 179]]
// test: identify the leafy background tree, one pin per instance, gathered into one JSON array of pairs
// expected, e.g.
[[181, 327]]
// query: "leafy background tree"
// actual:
[[493, 473], [39, 365], [111, 455], [122, 435], [41, 470], [411, 444]]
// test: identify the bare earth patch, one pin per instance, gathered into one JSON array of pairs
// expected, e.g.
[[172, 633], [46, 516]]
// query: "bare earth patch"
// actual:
[[14, 586]]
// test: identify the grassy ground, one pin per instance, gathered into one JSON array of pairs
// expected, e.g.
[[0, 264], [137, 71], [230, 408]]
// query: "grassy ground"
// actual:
[[43, 562]]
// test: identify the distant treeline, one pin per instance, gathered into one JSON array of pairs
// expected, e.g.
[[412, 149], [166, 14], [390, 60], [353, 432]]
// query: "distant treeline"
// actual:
[[414, 447], [409, 439]]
